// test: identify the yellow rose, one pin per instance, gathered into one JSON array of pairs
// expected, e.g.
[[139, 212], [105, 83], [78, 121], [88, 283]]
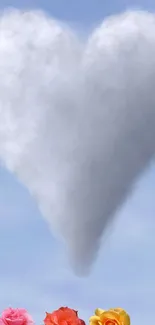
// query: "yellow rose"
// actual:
[[113, 316]]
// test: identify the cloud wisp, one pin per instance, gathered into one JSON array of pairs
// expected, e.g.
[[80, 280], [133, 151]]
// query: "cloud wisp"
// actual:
[[77, 122]]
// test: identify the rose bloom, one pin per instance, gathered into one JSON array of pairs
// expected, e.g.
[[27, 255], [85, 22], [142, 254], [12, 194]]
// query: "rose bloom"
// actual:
[[63, 316], [116, 316], [17, 316]]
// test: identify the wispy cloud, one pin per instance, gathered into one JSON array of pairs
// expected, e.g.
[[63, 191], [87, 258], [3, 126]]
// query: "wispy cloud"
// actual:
[[34, 270]]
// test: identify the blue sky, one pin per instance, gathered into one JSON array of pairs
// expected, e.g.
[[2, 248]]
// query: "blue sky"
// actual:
[[34, 271]]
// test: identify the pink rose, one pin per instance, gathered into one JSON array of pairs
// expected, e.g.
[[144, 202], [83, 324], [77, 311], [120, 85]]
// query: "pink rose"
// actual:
[[17, 316]]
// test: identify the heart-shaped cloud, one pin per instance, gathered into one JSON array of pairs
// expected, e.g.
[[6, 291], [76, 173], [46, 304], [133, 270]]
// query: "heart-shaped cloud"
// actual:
[[77, 120]]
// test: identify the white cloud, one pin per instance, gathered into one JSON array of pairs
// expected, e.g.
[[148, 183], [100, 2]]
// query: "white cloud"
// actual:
[[77, 120], [124, 272]]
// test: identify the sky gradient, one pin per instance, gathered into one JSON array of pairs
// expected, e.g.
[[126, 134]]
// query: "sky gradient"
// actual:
[[34, 270]]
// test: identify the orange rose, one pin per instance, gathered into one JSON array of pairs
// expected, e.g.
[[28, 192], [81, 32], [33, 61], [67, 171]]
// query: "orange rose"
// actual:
[[63, 316], [115, 316]]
